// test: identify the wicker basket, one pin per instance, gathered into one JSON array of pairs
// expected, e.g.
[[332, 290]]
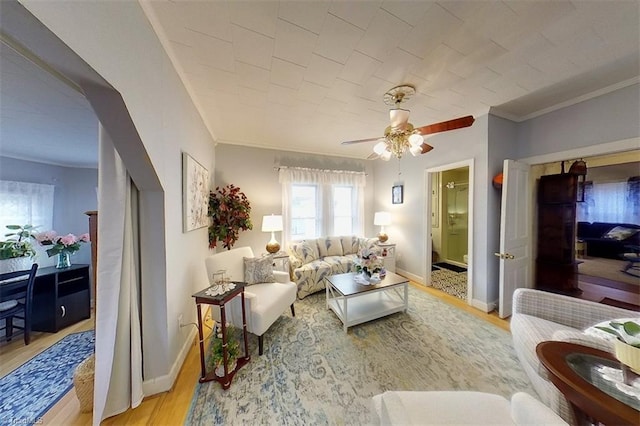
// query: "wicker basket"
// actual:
[[83, 383]]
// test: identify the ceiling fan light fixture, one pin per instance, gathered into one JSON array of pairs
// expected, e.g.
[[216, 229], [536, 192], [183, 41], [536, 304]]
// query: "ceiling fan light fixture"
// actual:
[[415, 140], [415, 150], [380, 147], [398, 116], [386, 156]]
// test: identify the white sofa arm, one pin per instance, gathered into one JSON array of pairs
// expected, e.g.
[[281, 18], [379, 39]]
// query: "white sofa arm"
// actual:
[[583, 339], [526, 410], [565, 310]]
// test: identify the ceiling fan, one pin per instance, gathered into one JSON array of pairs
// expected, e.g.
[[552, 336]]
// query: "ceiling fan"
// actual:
[[400, 136]]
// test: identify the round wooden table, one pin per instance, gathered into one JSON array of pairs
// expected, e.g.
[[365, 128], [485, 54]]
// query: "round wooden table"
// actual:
[[576, 371]]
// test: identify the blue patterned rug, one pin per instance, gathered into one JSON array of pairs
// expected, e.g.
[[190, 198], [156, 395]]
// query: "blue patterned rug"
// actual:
[[32, 389], [313, 373]]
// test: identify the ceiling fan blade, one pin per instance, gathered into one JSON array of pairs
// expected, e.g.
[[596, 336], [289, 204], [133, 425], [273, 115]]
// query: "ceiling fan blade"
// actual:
[[443, 126], [373, 156], [359, 141], [425, 148]]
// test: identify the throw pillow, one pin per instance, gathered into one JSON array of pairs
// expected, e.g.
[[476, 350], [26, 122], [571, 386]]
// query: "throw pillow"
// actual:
[[329, 246], [258, 270], [306, 251], [620, 233]]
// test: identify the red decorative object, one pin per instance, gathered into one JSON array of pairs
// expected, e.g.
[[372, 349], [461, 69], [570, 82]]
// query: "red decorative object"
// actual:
[[497, 181]]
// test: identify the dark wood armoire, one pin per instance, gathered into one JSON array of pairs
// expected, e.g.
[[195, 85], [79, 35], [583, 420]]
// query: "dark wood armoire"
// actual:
[[556, 267]]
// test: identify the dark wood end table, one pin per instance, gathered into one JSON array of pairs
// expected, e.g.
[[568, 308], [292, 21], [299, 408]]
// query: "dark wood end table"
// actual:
[[576, 371], [220, 300]]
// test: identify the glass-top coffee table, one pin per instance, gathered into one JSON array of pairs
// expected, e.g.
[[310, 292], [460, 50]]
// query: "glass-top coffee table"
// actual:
[[355, 303]]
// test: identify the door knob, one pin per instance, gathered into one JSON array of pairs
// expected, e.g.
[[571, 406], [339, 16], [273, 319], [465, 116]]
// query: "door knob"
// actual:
[[504, 255]]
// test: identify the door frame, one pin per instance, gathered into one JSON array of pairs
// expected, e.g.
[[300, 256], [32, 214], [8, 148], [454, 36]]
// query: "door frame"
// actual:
[[427, 237]]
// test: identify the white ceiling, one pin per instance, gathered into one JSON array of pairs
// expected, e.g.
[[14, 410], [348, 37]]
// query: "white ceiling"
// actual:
[[306, 75]]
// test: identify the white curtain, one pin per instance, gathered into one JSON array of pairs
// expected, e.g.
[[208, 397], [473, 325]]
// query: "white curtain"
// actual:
[[25, 203], [325, 179], [607, 202], [118, 373]]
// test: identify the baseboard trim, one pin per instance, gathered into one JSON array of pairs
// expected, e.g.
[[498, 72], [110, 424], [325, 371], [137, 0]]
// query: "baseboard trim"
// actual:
[[483, 306], [415, 278], [165, 383]]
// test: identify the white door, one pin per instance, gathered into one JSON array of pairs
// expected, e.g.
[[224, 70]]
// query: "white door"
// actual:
[[515, 237]]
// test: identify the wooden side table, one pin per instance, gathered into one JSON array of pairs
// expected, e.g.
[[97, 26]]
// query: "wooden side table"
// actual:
[[388, 256], [576, 371], [221, 300]]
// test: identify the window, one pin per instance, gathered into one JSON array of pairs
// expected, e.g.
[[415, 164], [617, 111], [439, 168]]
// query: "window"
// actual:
[[26, 203], [611, 202], [321, 203]]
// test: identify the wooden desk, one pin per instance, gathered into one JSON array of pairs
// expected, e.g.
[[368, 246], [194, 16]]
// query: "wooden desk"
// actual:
[[574, 371], [220, 300]]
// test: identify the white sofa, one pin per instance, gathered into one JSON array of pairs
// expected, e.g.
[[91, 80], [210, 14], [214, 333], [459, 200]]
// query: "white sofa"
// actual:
[[460, 408], [264, 302], [542, 316], [312, 260]]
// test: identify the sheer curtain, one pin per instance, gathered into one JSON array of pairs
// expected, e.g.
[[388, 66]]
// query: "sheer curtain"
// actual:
[[289, 176], [610, 202], [26, 203]]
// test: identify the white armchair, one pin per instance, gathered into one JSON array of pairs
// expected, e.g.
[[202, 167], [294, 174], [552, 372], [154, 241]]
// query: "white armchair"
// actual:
[[264, 302]]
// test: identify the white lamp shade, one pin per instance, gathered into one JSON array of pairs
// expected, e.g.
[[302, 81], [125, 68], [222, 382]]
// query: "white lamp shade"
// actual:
[[386, 156], [415, 150], [416, 139], [380, 147], [398, 116], [271, 223], [382, 218]]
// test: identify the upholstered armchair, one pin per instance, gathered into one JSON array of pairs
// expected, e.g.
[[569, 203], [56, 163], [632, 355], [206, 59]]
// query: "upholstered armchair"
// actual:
[[268, 293], [541, 316]]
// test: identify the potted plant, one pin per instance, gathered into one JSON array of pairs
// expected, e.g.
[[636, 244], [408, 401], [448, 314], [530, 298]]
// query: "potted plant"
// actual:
[[229, 210], [17, 252], [216, 353], [627, 343]]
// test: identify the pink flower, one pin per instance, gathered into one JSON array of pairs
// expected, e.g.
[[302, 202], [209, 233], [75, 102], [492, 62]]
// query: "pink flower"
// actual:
[[84, 238], [46, 236], [68, 239]]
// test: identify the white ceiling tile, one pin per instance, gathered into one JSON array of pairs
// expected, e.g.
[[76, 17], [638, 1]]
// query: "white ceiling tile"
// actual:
[[294, 44], [322, 71], [359, 14], [338, 39], [398, 66], [253, 98], [464, 9], [479, 58], [210, 18], [383, 35], [343, 91], [258, 16], [251, 47], [306, 14], [359, 67], [432, 67], [437, 25], [494, 21], [411, 12], [213, 52], [253, 76], [312, 93], [332, 107], [286, 74], [281, 95]]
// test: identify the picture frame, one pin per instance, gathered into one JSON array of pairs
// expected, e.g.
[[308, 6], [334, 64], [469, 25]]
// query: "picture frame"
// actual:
[[195, 194], [397, 194]]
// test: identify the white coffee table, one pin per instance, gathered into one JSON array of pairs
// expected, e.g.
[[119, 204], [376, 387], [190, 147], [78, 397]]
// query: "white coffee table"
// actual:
[[355, 303]]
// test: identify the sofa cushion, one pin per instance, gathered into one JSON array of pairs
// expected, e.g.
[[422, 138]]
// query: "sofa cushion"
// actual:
[[306, 251], [350, 244], [310, 277], [340, 264], [620, 233], [527, 332], [369, 244], [258, 270], [329, 246]]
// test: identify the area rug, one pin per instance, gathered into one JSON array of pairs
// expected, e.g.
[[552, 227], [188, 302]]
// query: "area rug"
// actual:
[[313, 373], [610, 269], [32, 389], [450, 266], [450, 282]]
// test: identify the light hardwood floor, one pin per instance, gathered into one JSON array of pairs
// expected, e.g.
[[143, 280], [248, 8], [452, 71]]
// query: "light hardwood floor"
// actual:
[[168, 408]]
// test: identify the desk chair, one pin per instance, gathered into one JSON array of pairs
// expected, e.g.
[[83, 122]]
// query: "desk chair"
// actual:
[[16, 299]]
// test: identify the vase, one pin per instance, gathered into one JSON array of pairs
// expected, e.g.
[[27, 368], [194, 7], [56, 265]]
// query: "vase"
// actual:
[[64, 260]]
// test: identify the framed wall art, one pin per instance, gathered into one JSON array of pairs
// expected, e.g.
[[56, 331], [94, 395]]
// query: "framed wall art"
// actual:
[[396, 194], [195, 194]]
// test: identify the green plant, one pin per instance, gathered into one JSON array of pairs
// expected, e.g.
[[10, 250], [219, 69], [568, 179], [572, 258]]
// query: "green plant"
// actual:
[[19, 242], [230, 211], [216, 354], [628, 332]]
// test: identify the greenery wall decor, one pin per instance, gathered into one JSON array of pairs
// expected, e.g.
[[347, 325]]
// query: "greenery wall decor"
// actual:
[[230, 211]]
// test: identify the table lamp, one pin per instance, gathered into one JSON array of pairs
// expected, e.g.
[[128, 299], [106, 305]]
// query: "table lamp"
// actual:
[[381, 219], [272, 223]]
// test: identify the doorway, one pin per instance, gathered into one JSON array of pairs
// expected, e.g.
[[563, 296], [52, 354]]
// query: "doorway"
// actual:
[[449, 238]]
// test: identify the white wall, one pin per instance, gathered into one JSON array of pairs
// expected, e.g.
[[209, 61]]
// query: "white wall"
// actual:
[[252, 170], [117, 41]]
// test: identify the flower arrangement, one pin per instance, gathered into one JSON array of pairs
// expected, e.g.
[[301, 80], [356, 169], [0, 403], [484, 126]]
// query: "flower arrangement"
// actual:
[[61, 244], [216, 350], [19, 242], [369, 263], [627, 332]]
